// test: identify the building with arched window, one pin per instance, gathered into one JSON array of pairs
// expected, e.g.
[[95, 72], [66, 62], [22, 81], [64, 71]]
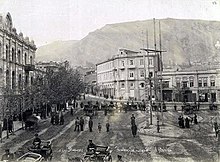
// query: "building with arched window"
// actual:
[[17, 57]]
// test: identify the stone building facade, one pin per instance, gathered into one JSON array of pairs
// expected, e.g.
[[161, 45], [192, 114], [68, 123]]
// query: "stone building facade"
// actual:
[[197, 83], [123, 76], [17, 57]]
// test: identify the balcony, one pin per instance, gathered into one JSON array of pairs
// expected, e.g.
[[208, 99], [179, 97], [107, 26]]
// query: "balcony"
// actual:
[[29, 67], [131, 66]]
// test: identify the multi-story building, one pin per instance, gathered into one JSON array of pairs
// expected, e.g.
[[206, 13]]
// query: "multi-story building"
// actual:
[[197, 83], [123, 76], [17, 56]]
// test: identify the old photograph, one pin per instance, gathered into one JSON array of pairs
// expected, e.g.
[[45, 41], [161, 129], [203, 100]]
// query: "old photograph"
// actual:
[[110, 80]]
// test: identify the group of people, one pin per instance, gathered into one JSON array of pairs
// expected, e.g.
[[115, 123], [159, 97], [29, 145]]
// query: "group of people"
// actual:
[[57, 118], [8, 124], [79, 125], [185, 123]]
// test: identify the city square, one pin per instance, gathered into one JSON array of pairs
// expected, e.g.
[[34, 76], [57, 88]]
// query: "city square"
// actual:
[[126, 88]]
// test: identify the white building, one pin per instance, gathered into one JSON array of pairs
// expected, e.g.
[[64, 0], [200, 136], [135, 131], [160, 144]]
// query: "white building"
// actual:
[[123, 76]]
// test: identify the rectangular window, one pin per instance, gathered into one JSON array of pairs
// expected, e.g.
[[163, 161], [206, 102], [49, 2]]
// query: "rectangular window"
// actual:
[[150, 61], [184, 84], [212, 83], [122, 85], [132, 85], [131, 74], [191, 83], [205, 82], [141, 61], [142, 73], [122, 63], [200, 83], [165, 84], [131, 62]]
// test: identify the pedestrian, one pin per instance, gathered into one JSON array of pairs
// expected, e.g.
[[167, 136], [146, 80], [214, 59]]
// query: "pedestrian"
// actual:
[[61, 119], [77, 124], [81, 123], [71, 110], [195, 119], [198, 106], [134, 130], [187, 122], [182, 122], [175, 107], [164, 107], [10, 124], [81, 105], [216, 129], [179, 121], [52, 119], [105, 111], [90, 124], [99, 127], [107, 127], [132, 119], [56, 119]]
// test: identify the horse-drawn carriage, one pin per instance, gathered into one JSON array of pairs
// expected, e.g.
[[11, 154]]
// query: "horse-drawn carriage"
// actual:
[[45, 150], [89, 110], [100, 154], [32, 122], [188, 108]]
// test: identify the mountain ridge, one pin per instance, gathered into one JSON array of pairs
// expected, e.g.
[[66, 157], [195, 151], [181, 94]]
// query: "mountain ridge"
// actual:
[[185, 40]]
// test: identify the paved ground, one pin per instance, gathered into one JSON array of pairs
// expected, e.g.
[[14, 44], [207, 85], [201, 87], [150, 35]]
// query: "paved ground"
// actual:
[[172, 144]]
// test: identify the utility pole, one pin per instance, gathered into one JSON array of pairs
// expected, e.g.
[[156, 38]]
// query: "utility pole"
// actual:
[[155, 75], [149, 79], [161, 80]]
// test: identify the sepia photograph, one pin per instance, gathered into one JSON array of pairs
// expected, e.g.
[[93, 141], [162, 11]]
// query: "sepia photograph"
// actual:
[[110, 80]]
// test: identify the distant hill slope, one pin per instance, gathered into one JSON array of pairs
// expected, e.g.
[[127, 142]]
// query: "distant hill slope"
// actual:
[[185, 41]]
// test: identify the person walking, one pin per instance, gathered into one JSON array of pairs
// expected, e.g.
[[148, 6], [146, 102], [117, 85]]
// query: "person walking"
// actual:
[[175, 107], [134, 130], [187, 122], [180, 121], [56, 119], [81, 123], [132, 119], [90, 124], [77, 124], [99, 127], [61, 119], [195, 119], [107, 127]]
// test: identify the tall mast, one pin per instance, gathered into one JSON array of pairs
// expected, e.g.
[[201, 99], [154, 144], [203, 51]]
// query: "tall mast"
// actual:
[[161, 69]]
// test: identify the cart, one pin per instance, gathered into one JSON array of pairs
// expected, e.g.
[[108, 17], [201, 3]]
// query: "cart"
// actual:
[[101, 154], [30, 157]]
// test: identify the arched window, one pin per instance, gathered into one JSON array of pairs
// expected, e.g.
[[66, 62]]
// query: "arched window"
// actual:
[[26, 79], [13, 55], [19, 81], [7, 79], [32, 80], [25, 58], [7, 53], [19, 56], [31, 60], [13, 80]]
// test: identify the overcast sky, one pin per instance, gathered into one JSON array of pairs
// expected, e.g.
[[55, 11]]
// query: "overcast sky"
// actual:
[[50, 20]]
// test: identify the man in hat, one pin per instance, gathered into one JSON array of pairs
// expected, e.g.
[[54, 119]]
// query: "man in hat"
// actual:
[[37, 141], [91, 146], [7, 156]]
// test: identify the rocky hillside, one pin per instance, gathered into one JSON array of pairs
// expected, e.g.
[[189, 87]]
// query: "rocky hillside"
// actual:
[[186, 41]]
